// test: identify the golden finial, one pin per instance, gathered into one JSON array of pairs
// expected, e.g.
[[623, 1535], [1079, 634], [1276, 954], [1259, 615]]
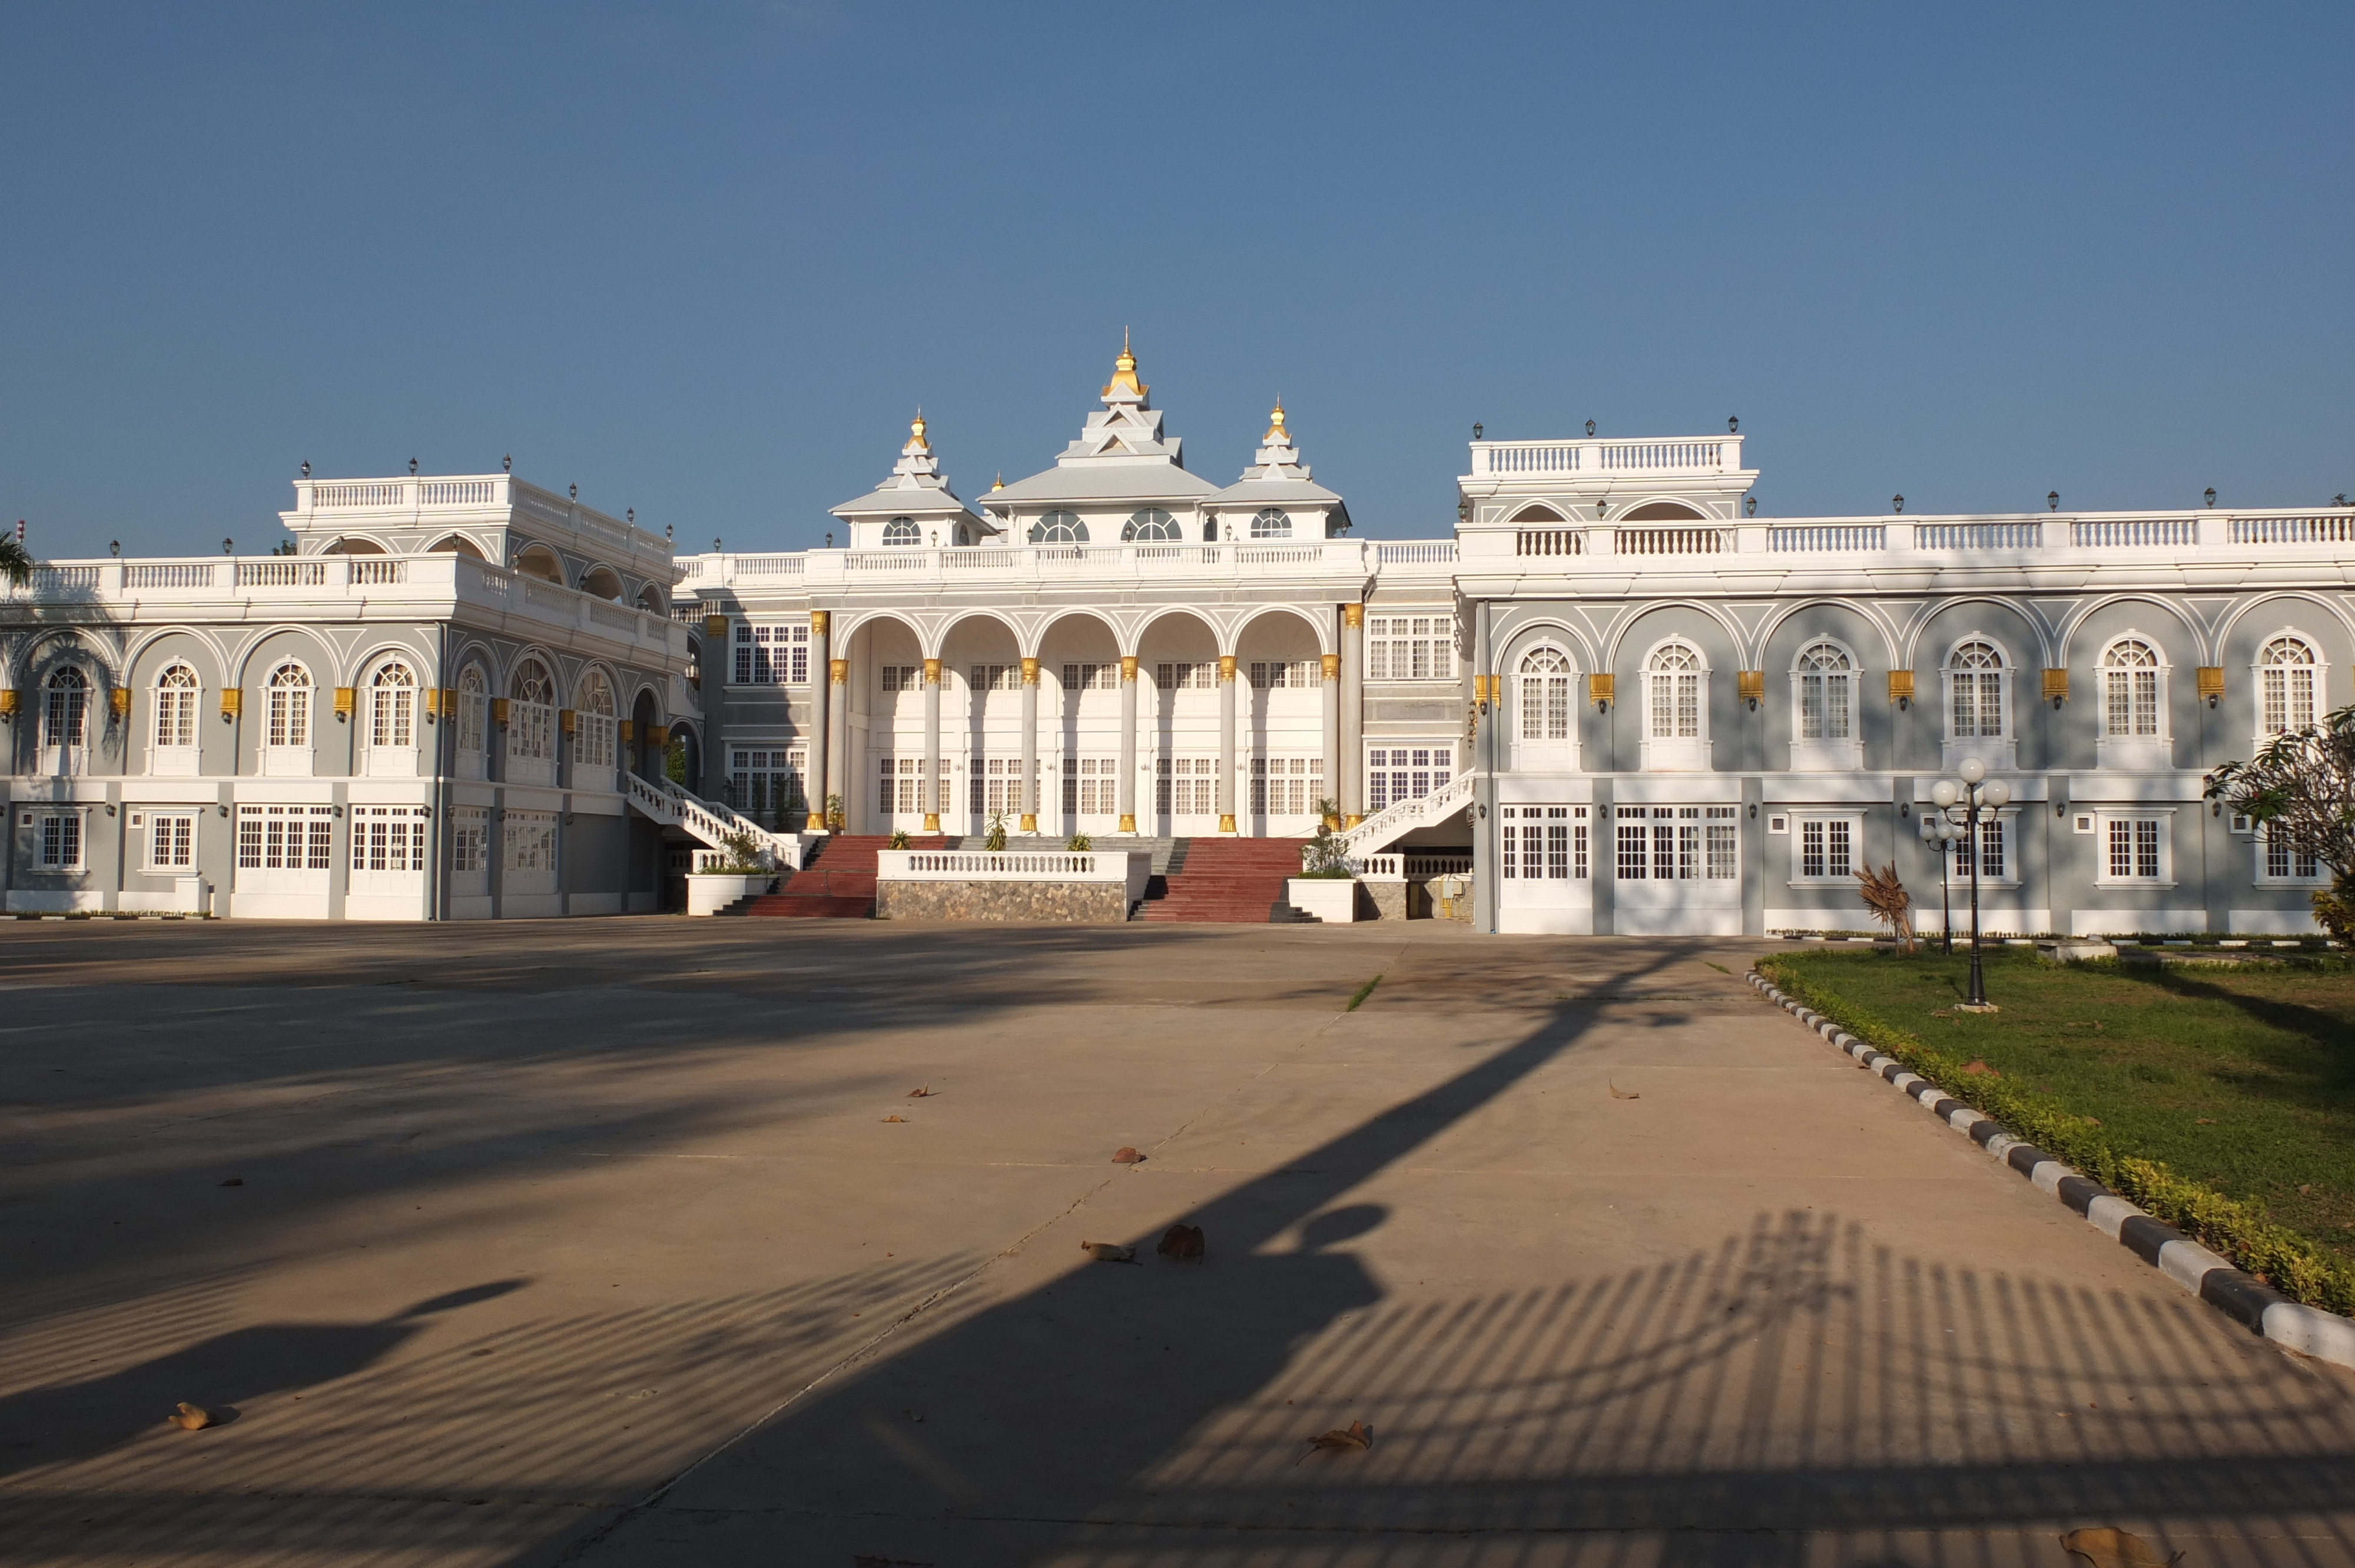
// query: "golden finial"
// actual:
[[1124, 371], [1001, 480], [1275, 431], [916, 433]]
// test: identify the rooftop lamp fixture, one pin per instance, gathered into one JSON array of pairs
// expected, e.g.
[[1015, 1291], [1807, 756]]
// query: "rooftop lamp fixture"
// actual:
[[631, 515], [715, 544], [2212, 497], [506, 463], [1734, 426], [229, 547], [1590, 427], [412, 465], [1750, 506], [830, 538], [306, 468], [574, 490], [1896, 504], [1476, 429], [2052, 501], [114, 547], [667, 533]]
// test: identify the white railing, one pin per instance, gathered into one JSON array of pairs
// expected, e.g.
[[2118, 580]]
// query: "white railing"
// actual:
[[1829, 536], [1132, 868], [1418, 553], [356, 492], [902, 560], [2337, 529], [1530, 457], [1718, 454], [1415, 867], [1277, 554], [286, 572], [1672, 541], [768, 565], [1649, 456], [168, 575], [457, 493], [1978, 535], [1400, 817], [63, 582], [2134, 532], [713, 823], [1550, 542], [366, 571], [472, 493]]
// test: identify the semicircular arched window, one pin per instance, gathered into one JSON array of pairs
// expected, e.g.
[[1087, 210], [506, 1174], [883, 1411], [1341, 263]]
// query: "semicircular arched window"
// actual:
[[65, 717], [1270, 524], [1827, 694], [176, 691], [392, 705], [1674, 676], [289, 706], [2131, 668], [1545, 694], [531, 714], [472, 695], [1058, 528], [1975, 677], [902, 531], [2285, 668], [1152, 526]]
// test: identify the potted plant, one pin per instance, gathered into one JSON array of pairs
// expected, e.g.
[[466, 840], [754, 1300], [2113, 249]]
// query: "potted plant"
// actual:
[[899, 838], [741, 870], [837, 821], [996, 840], [1326, 887], [1080, 843]]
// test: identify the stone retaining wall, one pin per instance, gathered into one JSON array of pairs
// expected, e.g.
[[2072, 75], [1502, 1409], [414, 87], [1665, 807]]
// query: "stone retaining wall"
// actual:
[[1071, 903]]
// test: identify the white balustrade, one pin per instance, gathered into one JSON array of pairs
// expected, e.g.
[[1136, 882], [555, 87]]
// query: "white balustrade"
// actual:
[[372, 570], [2133, 532], [1978, 535], [1550, 542], [2336, 529], [168, 575], [1653, 457], [1415, 553], [290, 571], [1816, 537], [1672, 541], [1132, 867]]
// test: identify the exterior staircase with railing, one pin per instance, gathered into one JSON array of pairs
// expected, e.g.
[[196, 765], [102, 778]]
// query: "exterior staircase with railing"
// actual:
[[673, 806], [1399, 818]]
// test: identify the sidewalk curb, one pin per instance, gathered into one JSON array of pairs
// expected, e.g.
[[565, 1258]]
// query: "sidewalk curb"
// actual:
[[2325, 1336]]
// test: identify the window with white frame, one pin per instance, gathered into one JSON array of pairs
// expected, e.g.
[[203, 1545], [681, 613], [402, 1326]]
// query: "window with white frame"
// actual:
[[472, 695], [993, 784], [1678, 843], [529, 863], [65, 711], [1276, 676], [995, 678], [1544, 843], [769, 781], [389, 839], [287, 725], [1090, 786], [470, 850], [1975, 680], [1058, 528], [1184, 786], [772, 655], [1197, 677], [2287, 673], [2281, 859], [594, 727], [901, 531], [1395, 773], [296, 841], [170, 838], [1827, 703], [1150, 526], [57, 838], [1675, 675], [1410, 647], [1286, 786], [2134, 689], [1270, 523], [1995, 861], [902, 790], [1545, 694], [1090, 677], [1823, 847], [178, 691], [2135, 848], [901, 677], [531, 718]]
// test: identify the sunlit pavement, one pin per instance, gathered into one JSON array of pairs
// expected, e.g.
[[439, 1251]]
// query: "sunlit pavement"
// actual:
[[591, 1242]]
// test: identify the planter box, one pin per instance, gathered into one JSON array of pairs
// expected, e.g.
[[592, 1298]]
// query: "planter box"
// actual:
[[709, 892], [1331, 899]]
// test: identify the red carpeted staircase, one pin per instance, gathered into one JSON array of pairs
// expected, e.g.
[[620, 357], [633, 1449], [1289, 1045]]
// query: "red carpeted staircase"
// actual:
[[1233, 881], [838, 884]]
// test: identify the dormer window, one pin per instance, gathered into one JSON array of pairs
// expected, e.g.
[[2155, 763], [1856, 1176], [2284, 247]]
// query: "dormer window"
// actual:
[[1270, 524], [1153, 527], [1058, 528], [902, 531]]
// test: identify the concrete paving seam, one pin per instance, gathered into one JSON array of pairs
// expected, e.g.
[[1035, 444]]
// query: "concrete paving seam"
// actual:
[[2256, 1305]]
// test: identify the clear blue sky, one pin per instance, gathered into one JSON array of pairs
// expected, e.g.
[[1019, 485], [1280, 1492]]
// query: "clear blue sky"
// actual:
[[705, 258]]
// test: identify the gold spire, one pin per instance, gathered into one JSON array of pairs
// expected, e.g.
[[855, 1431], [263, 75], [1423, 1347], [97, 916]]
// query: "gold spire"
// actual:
[[1124, 371], [1275, 431], [916, 433], [1001, 480]]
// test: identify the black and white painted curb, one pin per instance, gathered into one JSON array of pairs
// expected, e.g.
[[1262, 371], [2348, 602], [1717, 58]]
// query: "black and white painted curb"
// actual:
[[2324, 1335]]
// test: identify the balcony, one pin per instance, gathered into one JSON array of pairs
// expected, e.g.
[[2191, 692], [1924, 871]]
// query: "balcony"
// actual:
[[1592, 459], [1321, 564], [418, 502]]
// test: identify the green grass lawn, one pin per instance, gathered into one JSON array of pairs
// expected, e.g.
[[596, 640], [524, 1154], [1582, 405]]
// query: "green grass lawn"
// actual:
[[2242, 1079]]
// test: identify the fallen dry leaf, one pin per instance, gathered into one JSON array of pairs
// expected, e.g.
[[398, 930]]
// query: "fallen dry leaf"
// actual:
[[1125, 1155], [1619, 1094], [1181, 1241], [919, 1094], [2206, 1121], [1941, 1012], [895, 1118], [2305, 1187], [1975, 1068], [859, 1562], [190, 1417], [1108, 1252], [1358, 1436], [2110, 1548]]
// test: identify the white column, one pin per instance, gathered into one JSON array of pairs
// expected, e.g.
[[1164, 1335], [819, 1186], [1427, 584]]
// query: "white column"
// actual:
[[821, 733], [1029, 795], [1331, 694], [1227, 812], [932, 780], [1128, 793], [1351, 788]]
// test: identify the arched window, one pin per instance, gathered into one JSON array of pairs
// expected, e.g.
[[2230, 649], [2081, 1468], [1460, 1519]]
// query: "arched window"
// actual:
[[902, 531], [65, 715], [471, 691], [1974, 684], [392, 705], [1545, 694], [2131, 670], [175, 707], [1152, 526], [1675, 677], [1827, 692], [1270, 524], [2285, 669], [288, 694], [531, 714], [1058, 528], [593, 740]]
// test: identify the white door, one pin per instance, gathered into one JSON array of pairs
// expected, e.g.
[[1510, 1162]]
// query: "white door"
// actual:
[[1678, 870], [1545, 869]]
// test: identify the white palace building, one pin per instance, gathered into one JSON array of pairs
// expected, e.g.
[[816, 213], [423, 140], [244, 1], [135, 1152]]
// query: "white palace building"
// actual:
[[1613, 700]]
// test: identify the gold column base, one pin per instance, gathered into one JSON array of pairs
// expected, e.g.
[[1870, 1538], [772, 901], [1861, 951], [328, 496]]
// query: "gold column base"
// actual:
[[1128, 824], [1029, 822], [1351, 820], [816, 823], [1227, 821], [932, 821]]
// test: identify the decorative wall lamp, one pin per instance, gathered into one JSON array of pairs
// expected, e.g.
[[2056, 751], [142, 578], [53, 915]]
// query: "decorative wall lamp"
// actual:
[[1750, 505], [499, 711], [2056, 687], [1598, 691], [344, 697], [8, 706], [2212, 684], [232, 699], [1901, 688], [1751, 685]]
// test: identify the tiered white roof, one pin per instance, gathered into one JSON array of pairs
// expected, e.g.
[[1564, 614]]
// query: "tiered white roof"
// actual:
[[1279, 479], [916, 490], [1121, 455]]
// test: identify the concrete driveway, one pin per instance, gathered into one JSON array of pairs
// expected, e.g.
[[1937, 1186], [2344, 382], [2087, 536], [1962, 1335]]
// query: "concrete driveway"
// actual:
[[592, 1242]]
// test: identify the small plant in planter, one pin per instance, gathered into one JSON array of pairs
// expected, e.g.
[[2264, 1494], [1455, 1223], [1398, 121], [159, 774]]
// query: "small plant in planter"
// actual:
[[1325, 857], [746, 856], [1080, 843], [996, 842], [899, 838], [1328, 815], [837, 821]]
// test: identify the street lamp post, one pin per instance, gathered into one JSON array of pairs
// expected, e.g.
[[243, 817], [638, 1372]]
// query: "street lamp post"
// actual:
[[1938, 833], [1977, 796]]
